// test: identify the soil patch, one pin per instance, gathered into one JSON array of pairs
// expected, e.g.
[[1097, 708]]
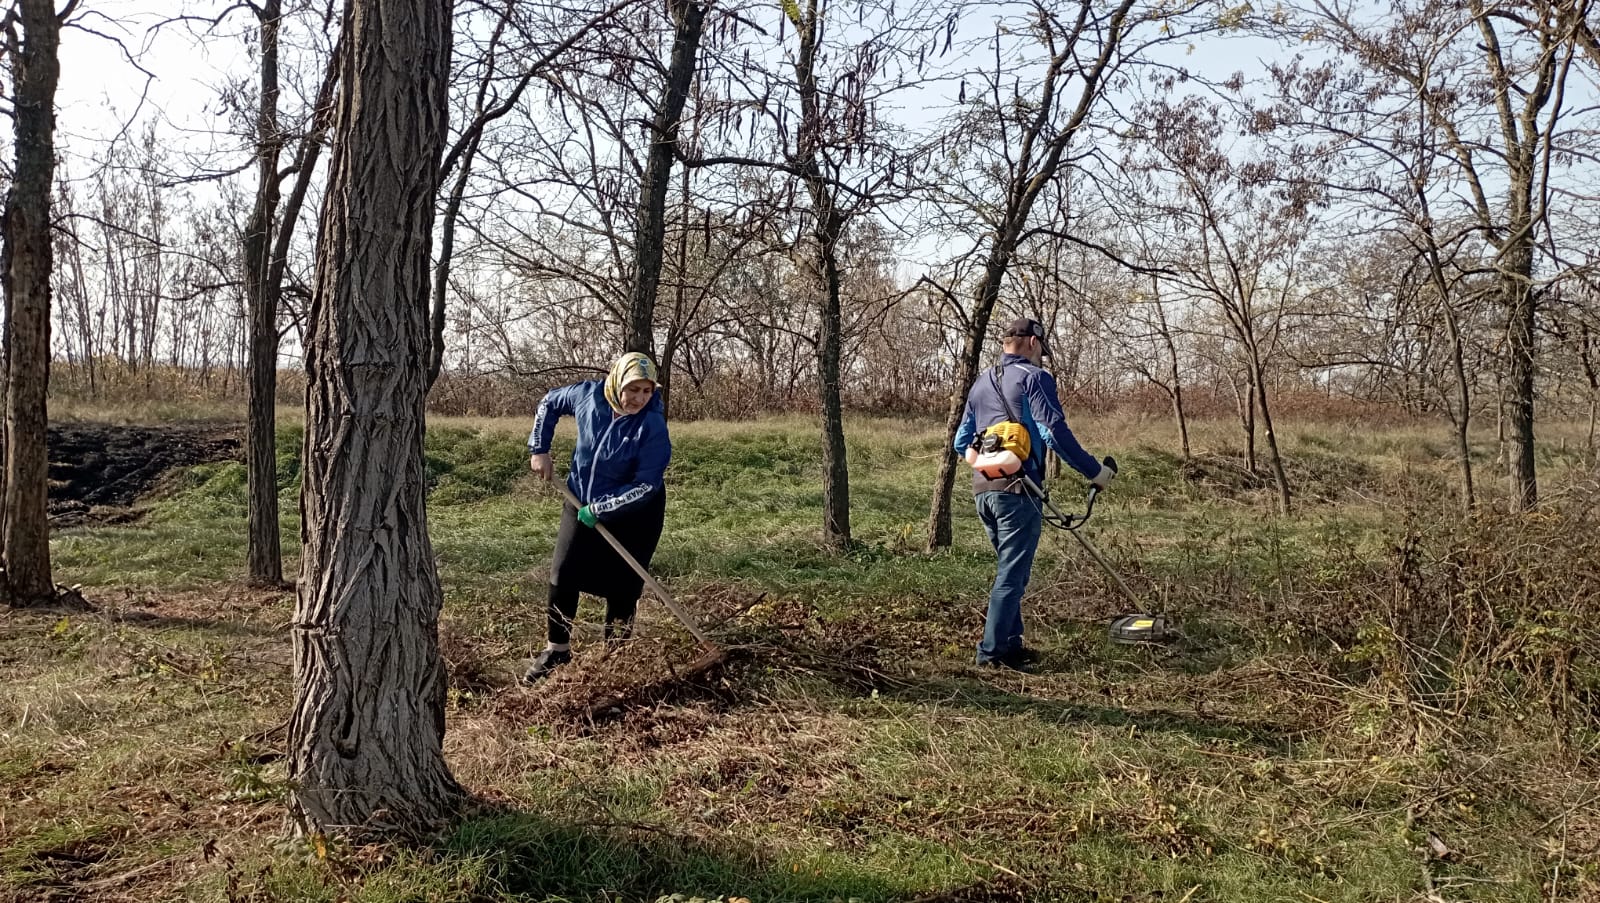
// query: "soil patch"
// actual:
[[99, 470]]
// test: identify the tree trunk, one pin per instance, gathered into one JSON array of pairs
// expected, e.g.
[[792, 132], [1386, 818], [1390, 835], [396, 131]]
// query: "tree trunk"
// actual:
[[1174, 375], [835, 468], [652, 226], [1251, 462], [35, 70], [675, 332], [1182, 418], [264, 296], [366, 730], [939, 532], [1586, 346], [441, 274], [1594, 416], [828, 227], [1245, 405], [1462, 417], [1521, 306], [1279, 475], [1463, 420], [265, 557]]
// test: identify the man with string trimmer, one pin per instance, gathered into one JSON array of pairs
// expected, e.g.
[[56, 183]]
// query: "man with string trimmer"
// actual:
[[1012, 411]]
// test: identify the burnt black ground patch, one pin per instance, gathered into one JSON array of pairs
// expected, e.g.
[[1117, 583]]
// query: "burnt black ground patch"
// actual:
[[99, 470]]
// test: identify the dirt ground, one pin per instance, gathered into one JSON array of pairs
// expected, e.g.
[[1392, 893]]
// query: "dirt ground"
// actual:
[[98, 471]]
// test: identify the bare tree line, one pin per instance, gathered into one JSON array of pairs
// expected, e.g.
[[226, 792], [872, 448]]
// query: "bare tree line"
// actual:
[[1405, 219]]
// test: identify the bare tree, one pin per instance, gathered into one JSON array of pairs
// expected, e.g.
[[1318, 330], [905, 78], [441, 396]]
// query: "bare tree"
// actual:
[[366, 731], [1491, 79], [264, 558], [1242, 226], [266, 267], [1022, 144], [842, 157], [495, 93], [688, 17], [33, 38]]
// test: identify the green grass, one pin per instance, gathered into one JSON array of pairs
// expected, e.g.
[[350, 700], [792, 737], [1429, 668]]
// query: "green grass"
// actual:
[[1269, 755]]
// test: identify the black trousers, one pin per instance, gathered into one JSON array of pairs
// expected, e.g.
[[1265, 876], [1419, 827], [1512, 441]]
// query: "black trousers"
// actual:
[[583, 562], [563, 609]]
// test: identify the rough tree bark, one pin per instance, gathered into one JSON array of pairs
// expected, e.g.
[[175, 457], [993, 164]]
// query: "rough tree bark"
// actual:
[[689, 17], [1521, 306], [1527, 138], [35, 70], [366, 730]]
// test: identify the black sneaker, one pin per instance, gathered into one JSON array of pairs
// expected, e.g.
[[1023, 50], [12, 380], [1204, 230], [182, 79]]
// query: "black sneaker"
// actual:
[[545, 662], [1026, 656], [1023, 660]]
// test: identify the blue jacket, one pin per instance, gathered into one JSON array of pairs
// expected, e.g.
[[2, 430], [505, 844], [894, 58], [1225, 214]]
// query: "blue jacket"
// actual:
[[1032, 394], [620, 459]]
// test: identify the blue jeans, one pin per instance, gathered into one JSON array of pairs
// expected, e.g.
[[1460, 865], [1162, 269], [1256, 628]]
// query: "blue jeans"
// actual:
[[1013, 523]]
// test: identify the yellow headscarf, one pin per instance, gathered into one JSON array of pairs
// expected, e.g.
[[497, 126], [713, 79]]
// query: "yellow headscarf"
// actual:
[[631, 366]]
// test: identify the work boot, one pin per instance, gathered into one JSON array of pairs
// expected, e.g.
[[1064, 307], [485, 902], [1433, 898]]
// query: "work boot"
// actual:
[[546, 661], [1026, 656], [1022, 659]]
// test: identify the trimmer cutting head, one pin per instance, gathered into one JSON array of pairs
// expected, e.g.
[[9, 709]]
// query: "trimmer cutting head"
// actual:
[[1142, 628]]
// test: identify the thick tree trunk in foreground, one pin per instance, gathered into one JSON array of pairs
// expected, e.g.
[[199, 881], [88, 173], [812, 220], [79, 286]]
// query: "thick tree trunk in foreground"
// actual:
[[35, 69], [366, 732]]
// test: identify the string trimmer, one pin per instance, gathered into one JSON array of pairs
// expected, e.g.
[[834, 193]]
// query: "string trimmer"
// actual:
[[1129, 628]]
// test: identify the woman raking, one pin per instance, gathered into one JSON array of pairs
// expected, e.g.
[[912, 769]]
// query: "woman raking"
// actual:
[[617, 472]]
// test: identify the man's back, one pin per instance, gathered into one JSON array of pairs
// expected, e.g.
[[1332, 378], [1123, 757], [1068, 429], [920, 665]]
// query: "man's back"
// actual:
[[1030, 399]]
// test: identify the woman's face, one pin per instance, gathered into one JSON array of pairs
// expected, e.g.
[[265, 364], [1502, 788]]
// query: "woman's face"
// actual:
[[636, 395]]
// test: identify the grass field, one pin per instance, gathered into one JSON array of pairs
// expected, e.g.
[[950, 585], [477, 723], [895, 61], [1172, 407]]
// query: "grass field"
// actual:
[[1372, 700]]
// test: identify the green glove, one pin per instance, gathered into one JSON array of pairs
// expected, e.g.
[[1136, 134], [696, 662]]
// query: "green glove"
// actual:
[[586, 516]]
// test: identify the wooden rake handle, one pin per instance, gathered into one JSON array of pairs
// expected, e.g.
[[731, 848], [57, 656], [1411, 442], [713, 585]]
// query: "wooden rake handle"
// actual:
[[655, 586]]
